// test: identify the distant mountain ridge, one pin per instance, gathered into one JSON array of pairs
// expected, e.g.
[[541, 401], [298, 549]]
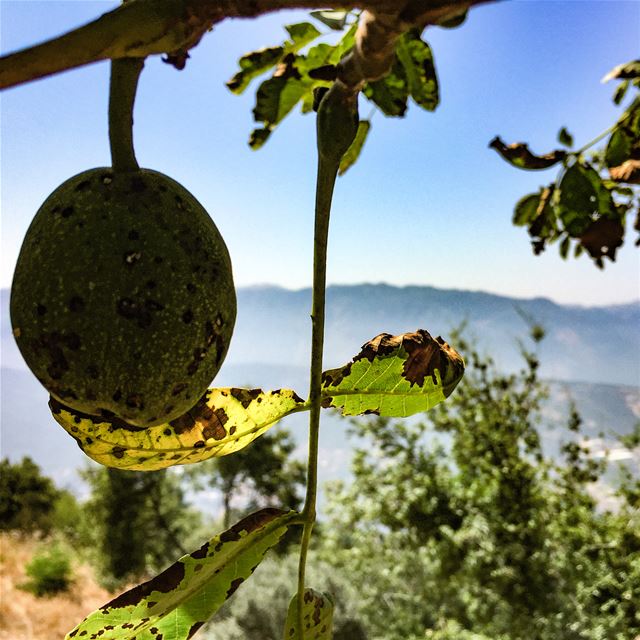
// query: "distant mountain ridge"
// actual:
[[597, 346], [589, 344]]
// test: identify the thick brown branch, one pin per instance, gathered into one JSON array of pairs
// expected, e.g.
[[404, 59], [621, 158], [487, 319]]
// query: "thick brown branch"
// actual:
[[146, 27]]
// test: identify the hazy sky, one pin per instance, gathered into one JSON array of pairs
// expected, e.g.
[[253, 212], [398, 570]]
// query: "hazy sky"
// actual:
[[428, 202]]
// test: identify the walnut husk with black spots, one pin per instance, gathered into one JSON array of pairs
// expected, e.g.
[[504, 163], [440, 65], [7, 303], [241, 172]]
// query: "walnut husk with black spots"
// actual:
[[122, 301]]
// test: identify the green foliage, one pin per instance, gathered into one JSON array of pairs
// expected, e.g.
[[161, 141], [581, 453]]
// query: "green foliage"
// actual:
[[49, 571], [178, 601], [139, 521], [483, 537], [298, 74], [27, 498], [584, 206], [412, 75], [262, 474]]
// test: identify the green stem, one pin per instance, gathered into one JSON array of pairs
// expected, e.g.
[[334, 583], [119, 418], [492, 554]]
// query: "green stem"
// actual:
[[337, 125], [125, 73], [327, 172]]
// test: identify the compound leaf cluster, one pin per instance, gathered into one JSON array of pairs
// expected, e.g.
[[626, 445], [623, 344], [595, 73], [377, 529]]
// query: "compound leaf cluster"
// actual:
[[587, 205]]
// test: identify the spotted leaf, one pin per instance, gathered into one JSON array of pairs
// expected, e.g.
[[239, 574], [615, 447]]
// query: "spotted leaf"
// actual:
[[222, 422], [317, 616], [394, 376], [178, 601]]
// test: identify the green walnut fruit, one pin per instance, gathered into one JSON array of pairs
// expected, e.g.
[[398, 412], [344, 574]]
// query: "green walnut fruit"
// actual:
[[122, 301]]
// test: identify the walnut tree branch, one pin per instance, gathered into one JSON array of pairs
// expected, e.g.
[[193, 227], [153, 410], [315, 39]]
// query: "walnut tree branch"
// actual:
[[140, 28]]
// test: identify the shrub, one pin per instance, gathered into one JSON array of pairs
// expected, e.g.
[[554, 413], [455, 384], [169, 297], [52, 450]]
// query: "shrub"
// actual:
[[49, 571]]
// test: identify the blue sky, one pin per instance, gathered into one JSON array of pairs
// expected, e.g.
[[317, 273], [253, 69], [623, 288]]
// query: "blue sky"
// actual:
[[428, 202]]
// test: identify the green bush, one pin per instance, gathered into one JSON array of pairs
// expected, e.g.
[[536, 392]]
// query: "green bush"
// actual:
[[27, 498], [49, 572]]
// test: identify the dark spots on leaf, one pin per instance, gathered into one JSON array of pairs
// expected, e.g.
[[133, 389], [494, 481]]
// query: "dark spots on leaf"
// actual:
[[199, 444], [191, 288], [133, 235], [76, 304], [245, 396], [183, 424], [67, 212], [234, 586], [168, 409], [251, 523], [118, 452], [201, 553], [41, 309], [55, 406], [167, 432], [194, 629], [187, 316], [151, 603], [333, 377], [83, 186], [179, 202], [117, 396], [232, 430], [164, 582]]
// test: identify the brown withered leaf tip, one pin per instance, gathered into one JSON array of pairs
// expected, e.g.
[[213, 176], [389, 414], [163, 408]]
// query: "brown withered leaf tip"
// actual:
[[520, 155], [628, 172], [603, 238], [425, 356]]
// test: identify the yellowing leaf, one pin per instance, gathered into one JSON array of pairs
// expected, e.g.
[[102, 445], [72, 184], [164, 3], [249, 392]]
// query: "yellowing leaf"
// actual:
[[395, 376], [317, 616], [178, 601], [223, 421]]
